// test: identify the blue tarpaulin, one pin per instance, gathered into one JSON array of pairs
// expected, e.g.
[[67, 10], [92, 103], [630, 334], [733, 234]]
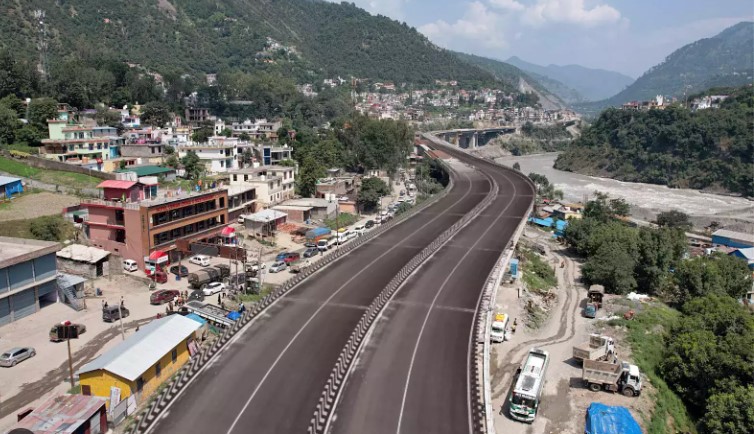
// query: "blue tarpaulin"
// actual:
[[542, 222], [234, 316], [196, 318], [606, 419], [10, 186]]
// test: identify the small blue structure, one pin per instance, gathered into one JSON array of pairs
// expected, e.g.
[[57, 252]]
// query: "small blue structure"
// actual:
[[737, 240], [10, 186], [606, 419], [746, 254], [196, 318], [514, 268], [546, 223]]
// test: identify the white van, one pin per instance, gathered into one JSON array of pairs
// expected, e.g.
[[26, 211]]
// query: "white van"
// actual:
[[499, 328], [129, 265]]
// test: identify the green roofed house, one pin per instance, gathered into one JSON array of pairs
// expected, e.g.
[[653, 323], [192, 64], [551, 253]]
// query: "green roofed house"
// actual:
[[167, 172]]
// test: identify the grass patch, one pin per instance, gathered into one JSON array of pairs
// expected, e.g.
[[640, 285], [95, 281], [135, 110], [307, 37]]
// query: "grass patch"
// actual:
[[55, 228], [66, 179], [33, 150], [539, 276], [75, 390], [253, 298], [344, 219], [646, 334]]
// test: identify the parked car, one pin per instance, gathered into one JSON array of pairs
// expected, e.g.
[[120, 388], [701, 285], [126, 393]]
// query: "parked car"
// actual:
[[112, 313], [369, 224], [281, 256], [80, 328], [254, 266], [311, 251], [291, 258], [159, 276], [197, 295], [129, 265], [323, 245], [213, 288], [359, 230], [163, 296], [179, 270], [202, 260], [15, 355], [278, 267], [310, 244]]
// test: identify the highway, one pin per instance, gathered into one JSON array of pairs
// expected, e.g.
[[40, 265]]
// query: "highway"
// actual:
[[412, 375], [269, 378]]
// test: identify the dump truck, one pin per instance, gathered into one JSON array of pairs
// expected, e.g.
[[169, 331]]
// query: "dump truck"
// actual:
[[316, 234], [207, 275], [596, 348], [616, 377], [596, 294]]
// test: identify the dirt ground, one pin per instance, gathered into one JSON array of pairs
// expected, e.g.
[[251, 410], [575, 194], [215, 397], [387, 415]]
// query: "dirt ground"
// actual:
[[33, 205], [565, 399]]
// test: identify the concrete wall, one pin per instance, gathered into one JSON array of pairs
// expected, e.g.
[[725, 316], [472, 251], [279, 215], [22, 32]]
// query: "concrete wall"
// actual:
[[44, 163], [143, 151]]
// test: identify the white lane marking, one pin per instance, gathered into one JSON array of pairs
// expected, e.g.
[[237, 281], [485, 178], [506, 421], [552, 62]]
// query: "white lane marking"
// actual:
[[311, 318], [431, 307]]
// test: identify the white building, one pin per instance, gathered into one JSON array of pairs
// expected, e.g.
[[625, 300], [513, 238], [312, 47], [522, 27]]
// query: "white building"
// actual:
[[219, 154], [257, 129], [272, 184]]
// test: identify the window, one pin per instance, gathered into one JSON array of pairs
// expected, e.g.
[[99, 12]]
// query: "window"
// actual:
[[174, 355], [235, 177], [139, 384], [157, 369], [222, 202]]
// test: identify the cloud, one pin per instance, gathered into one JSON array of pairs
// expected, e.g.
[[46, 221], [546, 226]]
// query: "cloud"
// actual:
[[479, 24], [570, 12], [510, 5]]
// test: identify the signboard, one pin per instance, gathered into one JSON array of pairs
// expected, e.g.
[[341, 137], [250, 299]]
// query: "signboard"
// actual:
[[114, 397]]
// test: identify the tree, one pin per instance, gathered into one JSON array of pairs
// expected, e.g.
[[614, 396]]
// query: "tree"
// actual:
[[203, 133], [620, 207], [244, 137], [172, 161], [227, 132], [29, 136], [730, 411], [371, 191], [717, 274], [192, 165], [516, 166], [106, 117], [309, 172], [155, 114], [40, 110], [9, 125], [613, 267], [674, 219], [47, 228]]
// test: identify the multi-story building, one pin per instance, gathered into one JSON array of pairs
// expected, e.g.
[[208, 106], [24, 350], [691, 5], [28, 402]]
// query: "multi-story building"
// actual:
[[28, 273], [197, 115], [273, 184], [258, 129], [75, 143], [134, 219], [218, 155], [272, 154]]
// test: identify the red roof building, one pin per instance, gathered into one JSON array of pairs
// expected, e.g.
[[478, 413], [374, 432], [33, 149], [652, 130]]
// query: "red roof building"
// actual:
[[67, 414]]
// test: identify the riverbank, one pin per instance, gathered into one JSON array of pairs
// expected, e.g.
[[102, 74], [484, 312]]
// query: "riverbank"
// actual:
[[646, 199]]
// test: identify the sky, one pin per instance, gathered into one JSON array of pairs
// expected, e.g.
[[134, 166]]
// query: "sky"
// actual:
[[628, 36]]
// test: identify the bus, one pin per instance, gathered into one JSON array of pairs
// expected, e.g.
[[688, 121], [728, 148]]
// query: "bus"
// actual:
[[527, 394]]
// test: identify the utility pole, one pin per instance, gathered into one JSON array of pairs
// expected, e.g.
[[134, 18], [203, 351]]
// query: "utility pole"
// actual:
[[120, 320], [70, 359], [260, 271]]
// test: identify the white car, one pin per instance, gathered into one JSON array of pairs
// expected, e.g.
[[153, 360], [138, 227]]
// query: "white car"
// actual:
[[200, 260], [129, 265], [213, 288], [254, 266], [359, 230], [278, 267]]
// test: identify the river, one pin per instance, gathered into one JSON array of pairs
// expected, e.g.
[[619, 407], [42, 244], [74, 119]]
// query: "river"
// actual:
[[646, 199]]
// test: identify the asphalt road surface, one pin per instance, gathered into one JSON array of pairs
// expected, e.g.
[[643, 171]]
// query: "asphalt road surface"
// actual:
[[270, 378], [412, 376]]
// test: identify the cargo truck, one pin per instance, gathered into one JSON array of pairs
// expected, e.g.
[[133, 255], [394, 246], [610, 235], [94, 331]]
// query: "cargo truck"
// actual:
[[596, 348], [615, 377], [207, 275]]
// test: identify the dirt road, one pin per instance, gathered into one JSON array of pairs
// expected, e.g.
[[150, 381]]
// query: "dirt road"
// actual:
[[564, 398]]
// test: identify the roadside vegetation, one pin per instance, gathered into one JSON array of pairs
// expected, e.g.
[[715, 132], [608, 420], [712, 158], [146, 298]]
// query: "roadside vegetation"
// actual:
[[538, 275], [343, 220], [698, 349], [535, 139], [55, 177], [47, 228]]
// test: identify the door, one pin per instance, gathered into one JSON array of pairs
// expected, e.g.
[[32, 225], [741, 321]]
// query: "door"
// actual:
[[24, 304], [4, 311]]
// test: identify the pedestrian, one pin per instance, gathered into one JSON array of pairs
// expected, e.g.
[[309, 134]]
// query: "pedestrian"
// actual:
[[219, 299], [122, 302], [104, 306]]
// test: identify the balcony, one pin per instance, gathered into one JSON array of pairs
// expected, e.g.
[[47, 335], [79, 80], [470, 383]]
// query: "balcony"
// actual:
[[110, 204]]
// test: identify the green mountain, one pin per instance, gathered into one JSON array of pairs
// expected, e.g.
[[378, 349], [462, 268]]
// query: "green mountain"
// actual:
[[726, 59], [515, 77], [706, 149], [316, 38], [588, 83]]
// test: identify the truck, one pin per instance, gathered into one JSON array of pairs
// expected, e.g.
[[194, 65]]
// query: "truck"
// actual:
[[316, 234], [616, 377], [596, 348], [207, 275], [596, 294], [526, 396]]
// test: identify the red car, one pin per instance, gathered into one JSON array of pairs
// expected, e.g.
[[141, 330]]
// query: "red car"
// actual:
[[291, 258], [158, 276], [163, 296]]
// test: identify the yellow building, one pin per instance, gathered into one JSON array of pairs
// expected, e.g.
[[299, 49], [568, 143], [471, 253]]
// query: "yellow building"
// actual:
[[139, 365]]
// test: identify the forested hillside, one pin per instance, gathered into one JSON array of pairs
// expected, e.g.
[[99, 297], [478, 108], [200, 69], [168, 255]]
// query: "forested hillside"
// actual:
[[207, 36], [726, 59], [707, 149]]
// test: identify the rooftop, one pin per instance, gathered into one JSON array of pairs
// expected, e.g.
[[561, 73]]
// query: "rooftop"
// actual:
[[16, 250], [309, 201], [82, 253], [147, 170], [62, 414], [265, 215], [741, 236], [7, 180], [132, 357], [113, 183]]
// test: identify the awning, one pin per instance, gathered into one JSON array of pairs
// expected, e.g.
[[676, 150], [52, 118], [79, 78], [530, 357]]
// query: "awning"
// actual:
[[228, 232], [157, 254]]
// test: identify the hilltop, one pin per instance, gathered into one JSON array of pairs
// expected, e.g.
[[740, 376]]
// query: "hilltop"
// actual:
[[301, 39], [575, 83], [706, 149], [726, 59]]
